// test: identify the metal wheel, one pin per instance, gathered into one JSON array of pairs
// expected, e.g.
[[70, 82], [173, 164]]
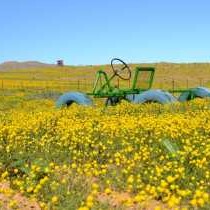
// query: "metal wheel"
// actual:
[[121, 69], [112, 101]]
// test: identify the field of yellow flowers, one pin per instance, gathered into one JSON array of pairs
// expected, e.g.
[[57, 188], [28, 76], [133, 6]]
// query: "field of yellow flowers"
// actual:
[[124, 157]]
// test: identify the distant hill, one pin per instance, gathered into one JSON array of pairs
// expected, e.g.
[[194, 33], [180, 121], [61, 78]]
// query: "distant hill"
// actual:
[[22, 65]]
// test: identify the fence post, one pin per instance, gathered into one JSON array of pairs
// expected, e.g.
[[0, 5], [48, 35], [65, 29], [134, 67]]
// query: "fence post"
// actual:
[[78, 85], [118, 82], [85, 84], [200, 81], [21, 85], [173, 85], [161, 85], [46, 86]]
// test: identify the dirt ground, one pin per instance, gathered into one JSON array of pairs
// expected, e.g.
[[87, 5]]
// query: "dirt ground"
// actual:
[[116, 199], [10, 199]]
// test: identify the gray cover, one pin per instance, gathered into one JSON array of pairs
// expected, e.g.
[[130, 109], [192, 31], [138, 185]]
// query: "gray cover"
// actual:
[[158, 96], [73, 97], [199, 92]]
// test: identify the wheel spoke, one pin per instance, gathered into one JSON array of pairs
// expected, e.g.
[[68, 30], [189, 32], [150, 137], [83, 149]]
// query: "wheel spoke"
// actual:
[[124, 72]]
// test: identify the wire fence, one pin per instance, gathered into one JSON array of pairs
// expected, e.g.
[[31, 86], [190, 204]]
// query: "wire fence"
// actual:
[[86, 85]]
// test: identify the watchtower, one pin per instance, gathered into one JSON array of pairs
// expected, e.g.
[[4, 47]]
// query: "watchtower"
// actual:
[[60, 63]]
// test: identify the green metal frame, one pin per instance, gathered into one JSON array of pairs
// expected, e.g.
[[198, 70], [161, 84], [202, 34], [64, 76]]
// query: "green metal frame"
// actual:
[[138, 71], [106, 89], [103, 87]]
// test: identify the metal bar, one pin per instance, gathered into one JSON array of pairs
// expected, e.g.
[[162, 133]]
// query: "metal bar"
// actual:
[[143, 69], [98, 78]]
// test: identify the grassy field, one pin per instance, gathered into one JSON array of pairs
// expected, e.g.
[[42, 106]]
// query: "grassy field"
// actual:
[[49, 82], [123, 157], [62, 78]]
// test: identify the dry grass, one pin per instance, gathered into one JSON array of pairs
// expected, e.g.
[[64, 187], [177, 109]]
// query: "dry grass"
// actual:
[[82, 77]]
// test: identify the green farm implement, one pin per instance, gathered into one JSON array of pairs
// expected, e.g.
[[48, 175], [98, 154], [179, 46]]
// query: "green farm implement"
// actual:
[[138, 91]]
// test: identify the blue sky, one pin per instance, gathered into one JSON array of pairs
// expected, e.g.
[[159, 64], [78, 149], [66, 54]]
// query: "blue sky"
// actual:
[[94, 31]]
